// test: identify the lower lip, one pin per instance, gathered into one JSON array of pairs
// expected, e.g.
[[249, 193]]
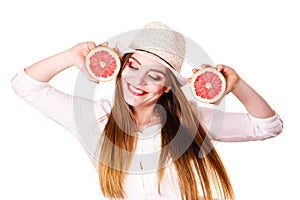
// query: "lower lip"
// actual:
[[133, 92]]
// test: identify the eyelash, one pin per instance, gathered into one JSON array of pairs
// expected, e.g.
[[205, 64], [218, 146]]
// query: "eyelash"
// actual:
[[131, 67], [153, 78]]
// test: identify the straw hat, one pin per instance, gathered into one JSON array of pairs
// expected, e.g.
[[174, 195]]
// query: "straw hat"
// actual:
[[161, 43]]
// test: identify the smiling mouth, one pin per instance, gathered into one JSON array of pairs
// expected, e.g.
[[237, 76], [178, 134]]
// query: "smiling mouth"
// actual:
[[135, 91]]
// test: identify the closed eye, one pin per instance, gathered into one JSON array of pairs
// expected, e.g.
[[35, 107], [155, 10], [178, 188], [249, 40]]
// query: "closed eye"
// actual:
[[132, 67], [155, 78]]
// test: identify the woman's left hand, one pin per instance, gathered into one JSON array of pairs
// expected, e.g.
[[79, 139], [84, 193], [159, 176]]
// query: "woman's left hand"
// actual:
[[230, 75]]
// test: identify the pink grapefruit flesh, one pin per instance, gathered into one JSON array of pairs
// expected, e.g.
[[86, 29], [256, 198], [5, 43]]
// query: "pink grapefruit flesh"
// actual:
[[103, 63], [208, 85]]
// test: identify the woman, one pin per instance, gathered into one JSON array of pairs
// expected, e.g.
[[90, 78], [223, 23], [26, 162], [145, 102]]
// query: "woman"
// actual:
[[151, 144]]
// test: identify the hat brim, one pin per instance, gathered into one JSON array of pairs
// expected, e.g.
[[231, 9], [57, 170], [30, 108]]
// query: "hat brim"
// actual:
[[124, 49]]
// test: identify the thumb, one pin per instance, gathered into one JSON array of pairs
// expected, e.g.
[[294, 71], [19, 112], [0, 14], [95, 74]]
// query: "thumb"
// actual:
[[91, 45]]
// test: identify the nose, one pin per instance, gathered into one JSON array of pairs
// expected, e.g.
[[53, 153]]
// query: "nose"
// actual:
[[139, 78]]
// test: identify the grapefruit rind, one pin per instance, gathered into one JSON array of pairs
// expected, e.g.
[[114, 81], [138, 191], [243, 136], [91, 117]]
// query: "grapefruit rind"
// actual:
[[220, 94], [113, 53]]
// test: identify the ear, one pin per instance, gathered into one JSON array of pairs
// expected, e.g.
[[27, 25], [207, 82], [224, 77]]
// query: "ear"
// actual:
[[167, 89]]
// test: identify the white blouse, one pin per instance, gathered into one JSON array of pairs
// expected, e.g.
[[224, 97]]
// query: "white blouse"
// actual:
[[81, 117]]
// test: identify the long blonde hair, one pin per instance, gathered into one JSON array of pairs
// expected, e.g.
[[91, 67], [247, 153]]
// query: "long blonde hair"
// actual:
[[181, 122]]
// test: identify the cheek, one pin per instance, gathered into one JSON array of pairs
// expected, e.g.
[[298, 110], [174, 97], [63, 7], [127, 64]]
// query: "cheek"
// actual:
[[128, 74], [124, 72], [155, 88]]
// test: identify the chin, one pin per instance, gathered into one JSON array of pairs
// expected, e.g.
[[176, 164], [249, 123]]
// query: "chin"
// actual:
[[133, 102]]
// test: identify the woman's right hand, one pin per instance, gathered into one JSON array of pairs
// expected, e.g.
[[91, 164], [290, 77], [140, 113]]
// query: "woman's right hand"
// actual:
[[79, 53]]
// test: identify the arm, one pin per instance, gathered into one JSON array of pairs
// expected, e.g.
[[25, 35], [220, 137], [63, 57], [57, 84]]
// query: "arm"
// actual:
[[46, 69], [261, 122], [253, 102], [237, 127], [31, 84], [76, 114]]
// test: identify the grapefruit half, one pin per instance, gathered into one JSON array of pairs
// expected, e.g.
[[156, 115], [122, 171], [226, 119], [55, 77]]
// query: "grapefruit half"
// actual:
[[102, 63], [208, 85]]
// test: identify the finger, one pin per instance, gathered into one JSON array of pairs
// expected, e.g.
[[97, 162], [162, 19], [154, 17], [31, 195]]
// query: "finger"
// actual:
[[205, 65], [91, 45], [218, 102], [104, 44], [194, 70], [220, 67], [116, 49]]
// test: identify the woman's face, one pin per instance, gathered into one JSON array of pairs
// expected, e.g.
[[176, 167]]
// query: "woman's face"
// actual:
[[144, 81]]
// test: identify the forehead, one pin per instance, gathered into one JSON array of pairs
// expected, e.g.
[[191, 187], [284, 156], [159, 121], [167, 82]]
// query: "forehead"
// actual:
[[144, 59]]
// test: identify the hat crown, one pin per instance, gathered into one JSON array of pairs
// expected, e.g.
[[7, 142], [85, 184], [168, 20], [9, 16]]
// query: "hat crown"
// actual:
[[158, 39]]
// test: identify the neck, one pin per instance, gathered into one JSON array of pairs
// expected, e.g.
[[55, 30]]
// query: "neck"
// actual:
[[145, 116]]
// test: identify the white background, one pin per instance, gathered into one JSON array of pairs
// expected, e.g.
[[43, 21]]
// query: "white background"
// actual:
[[260, 39]]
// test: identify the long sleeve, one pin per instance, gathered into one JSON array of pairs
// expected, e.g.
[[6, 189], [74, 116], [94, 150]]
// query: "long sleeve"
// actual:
[[237, 127], [78, 115]]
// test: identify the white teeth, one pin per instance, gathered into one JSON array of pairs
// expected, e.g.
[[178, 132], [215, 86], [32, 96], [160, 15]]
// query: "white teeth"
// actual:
[[135, 89]]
